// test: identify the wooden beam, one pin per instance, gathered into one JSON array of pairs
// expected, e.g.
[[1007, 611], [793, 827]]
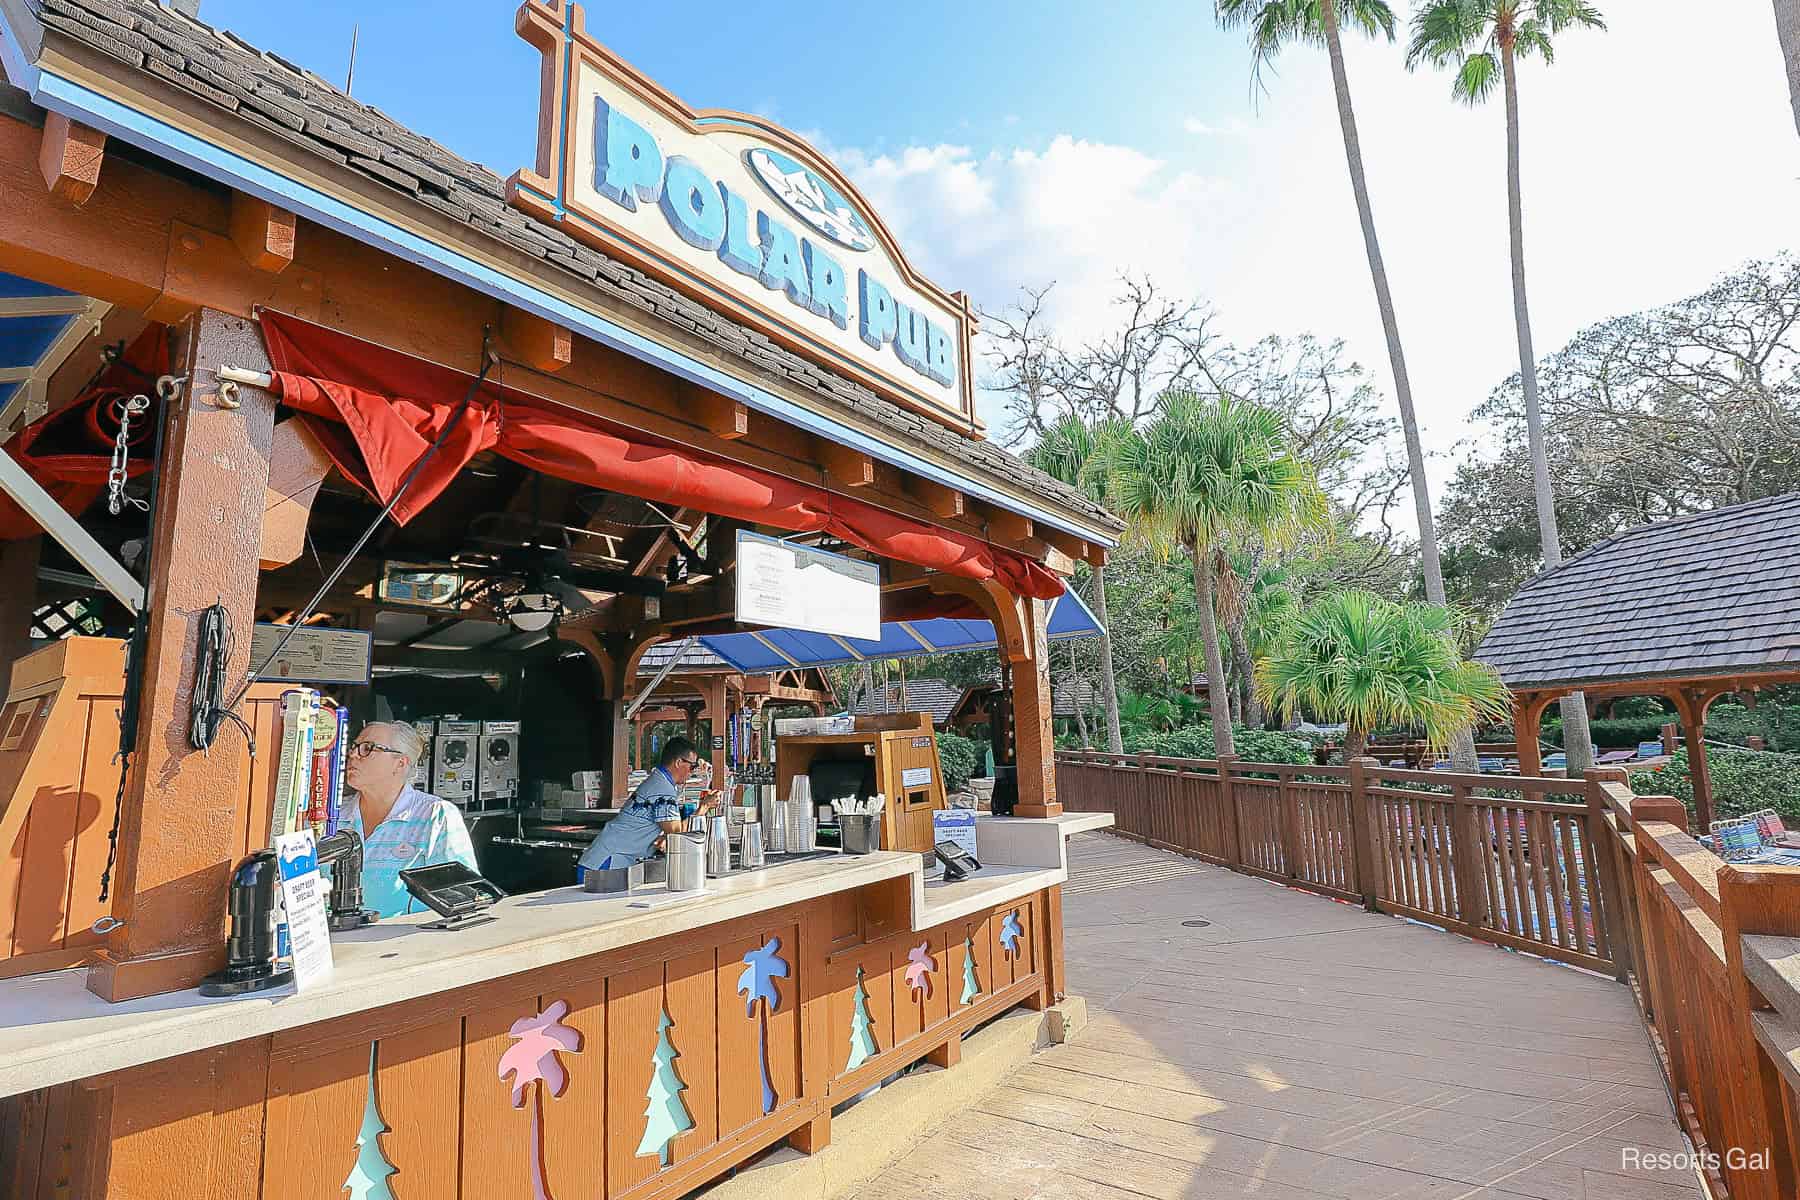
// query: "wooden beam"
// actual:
[[69, 159], [263, 233], [1097, 554], [719, 415], [1068, 543], [944, 502], [845, 465], [540, 344]]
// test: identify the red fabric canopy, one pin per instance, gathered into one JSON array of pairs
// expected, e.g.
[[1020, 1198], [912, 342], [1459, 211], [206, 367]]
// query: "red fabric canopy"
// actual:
[[376, 411], [69, 452]]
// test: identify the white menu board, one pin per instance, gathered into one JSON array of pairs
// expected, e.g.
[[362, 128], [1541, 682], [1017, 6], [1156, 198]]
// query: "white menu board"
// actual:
[[797, 587], [303, 894]]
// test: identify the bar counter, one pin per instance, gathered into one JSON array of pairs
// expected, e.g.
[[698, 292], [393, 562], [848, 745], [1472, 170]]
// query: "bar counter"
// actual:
[[847, 968]]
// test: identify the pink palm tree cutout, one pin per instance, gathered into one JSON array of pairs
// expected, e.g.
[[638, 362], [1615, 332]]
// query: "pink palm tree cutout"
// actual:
[[532, 1058], [918, 974]]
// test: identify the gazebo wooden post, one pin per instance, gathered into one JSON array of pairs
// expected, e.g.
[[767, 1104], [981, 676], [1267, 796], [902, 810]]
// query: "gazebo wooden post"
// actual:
[[1528, 720], [1692, 704], [715, 712]]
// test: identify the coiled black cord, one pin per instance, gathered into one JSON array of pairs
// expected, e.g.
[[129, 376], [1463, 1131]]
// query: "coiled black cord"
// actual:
[[210, 709]]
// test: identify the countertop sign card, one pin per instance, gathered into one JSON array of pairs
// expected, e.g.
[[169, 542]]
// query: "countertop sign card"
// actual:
[[303, 893], [956, 826]]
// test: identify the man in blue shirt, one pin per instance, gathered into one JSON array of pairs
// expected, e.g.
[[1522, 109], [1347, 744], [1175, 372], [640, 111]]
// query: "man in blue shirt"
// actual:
[[653, 810]]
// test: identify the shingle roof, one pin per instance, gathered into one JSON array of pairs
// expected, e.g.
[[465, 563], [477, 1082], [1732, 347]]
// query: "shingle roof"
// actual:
[[1713, 593], [932, 696], [294, 104]]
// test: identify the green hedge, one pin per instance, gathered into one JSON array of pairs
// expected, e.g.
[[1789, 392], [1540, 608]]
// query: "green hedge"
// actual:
[[1777, 724], [1196, 741], [1744, 781], [958, 757], [1615, 733]]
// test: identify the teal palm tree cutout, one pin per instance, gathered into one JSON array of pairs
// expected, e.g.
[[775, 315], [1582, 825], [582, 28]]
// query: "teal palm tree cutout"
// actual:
[[918, 974], [1010, 933], [369, 1175], [761, 969], [532, 1058], [667, 1114], [862, 1035], [971, 985]]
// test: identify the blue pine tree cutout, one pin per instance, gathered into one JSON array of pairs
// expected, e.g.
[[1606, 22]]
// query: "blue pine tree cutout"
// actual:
[[971, 985], [862, 1035], [369, 1176], [761, 969], [667, 1114], [1010, 933]]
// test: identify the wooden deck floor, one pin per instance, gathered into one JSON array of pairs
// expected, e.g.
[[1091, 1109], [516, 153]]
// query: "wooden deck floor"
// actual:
[[1295, 1049]]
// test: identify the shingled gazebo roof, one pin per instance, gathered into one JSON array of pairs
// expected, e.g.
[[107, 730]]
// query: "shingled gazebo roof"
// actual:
[[1716, 594]]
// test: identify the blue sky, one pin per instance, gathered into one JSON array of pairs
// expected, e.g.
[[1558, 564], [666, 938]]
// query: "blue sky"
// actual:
[[1010, 145], [986, 74]]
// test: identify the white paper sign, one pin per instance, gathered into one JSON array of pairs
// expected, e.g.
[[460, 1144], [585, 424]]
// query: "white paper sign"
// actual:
[[957, 826], [915, 777], [303, 894], [797, 587]]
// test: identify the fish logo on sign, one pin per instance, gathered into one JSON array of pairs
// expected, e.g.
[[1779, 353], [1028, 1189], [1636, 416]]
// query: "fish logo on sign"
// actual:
[[809, 197]]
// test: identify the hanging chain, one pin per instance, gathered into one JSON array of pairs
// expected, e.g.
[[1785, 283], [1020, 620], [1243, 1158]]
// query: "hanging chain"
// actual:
[[116, 499], [167, 388]]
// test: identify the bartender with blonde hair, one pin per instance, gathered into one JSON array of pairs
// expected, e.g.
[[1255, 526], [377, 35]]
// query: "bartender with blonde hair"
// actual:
[[400, 825]]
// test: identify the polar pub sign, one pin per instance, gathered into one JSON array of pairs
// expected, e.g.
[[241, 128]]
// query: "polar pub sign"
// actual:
[[742, 215]]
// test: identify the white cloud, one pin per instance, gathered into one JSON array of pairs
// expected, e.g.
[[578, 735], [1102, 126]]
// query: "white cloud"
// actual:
[[1656, 156], [1235, 127]]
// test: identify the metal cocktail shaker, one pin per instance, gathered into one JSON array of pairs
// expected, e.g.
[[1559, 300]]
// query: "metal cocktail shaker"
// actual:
[[750, 852], [718, 847], [687, 862]]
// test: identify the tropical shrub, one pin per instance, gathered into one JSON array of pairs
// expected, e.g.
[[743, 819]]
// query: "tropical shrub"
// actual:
[[1196, 741], [958, 756], [1744, 781], [1778, 725], [1615, 733]]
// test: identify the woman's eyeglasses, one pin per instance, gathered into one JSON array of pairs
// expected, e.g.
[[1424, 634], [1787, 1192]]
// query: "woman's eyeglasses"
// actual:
[[364, 749]]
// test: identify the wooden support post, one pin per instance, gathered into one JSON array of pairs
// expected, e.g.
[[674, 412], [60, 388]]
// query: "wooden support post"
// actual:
[[948, 1054], [181, 829], [70, 158], [1599, 847], [1364, 830], [263, 234], [1693, 707], [1234, 837], [1528, 716], [1032, 723], [813, 1136], [18, 600], [1468, 855], [718, 715], [1756, 900]]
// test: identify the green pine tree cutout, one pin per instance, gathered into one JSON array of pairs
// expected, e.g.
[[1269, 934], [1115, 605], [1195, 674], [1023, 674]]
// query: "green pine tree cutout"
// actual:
[[667, 1114], [862, 1035], [369, 1176], [971, 985]]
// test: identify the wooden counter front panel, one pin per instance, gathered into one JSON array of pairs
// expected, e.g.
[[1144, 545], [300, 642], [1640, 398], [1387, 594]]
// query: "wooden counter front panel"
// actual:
[[416, 1101]]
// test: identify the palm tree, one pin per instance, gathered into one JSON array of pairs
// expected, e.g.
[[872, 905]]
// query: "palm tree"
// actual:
[[1273, 24], [1483, 39], [1200, 472], [1070, 450], [1355, 657]]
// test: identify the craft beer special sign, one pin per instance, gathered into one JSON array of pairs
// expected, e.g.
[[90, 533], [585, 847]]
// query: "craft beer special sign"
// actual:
[[740, 214]]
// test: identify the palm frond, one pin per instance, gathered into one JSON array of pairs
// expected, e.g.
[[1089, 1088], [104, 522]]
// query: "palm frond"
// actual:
[[1476, 78]]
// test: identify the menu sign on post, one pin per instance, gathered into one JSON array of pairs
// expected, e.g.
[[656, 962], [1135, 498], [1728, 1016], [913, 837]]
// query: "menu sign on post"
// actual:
[[798, 587], [303, 895]]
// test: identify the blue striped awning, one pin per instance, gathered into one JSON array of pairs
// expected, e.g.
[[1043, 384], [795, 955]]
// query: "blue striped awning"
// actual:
[[782, 649]]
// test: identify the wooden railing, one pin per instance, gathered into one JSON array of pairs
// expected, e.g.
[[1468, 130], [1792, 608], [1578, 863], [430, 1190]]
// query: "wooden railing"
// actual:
[[1577, 870]]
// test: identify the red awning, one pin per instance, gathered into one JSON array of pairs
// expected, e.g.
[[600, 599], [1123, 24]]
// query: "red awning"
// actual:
[[376, 411], [69, 452]]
